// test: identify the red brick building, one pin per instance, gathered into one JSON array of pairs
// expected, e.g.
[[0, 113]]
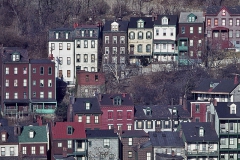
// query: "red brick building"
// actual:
[[199, 110], [68, 140], [90, 83], [118, 111], [87, 110], [26, 85]]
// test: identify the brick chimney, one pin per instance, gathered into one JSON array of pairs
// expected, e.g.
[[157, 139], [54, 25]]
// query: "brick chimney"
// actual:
[[236, 79], [180, 133], [123, 95], [39, 120], [15, 130], [99, 97], [180, 100], [184, 102]]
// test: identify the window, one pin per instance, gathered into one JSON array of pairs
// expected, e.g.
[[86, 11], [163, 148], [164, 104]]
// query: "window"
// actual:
[[34, 70], [130, 154], [223, 22], [68, 46], [201, 132], [49, 83], [31, 134], [119, 114], [92, 58], [197, 108], [88, 119], [67, 35], [69, 143], [7, 83], [148, 155], [15, 95], [117, 101], [140, 35], [222, 141], [129, 127], [140, 48], [87, 78], [148, 48], [131, 35], [7, 95], [52, 46], [93, 44], [230, 33], [237, 22], [110, 114], [183, 30], [129, 114], [41, 83], [85, 58], [191, 43], [171, 32], [25, 82], [164, 46], [24, 95], [68, 73], [34, 94], [164, 32], [82, 33], [231, 140], [166, 124], [106, 50], [223, 12], [114, 39], [215, 22], [122, 50], [85, 44], [157, 32], [164, 20], [140, 24], [78, 57], [79, 118], [60, 46], [191, 29], [199, 29], [24, 70], [237, 33], [114, 50], [208, 22], [191, 53], [41, 149], [2, 151], [85, 68], [24, 150], [96, 119], [34, 83], [78, 44], [68, 60], [41, 70], [7, 70], [33, 150], [199, 53], [41, 94], [139, 125], [149, 124], [130, 141], [158, 123], [216, 34], [3, 137], [15, 70], [200, 42], [49, 95], [232, 109], [106, 143], [11, 151], [148, 35], [230, 22]]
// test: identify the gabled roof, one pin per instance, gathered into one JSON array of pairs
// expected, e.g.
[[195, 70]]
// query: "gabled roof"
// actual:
[[107, 99], [134, 133], [172, 19], [166, 139], [148, 23], [219, 86], [80, 106], [59, 130], [11, 138], [184, 17], [191, 132], [123, 26], [8, 51], [101, 134], [214, 10], [40, 134], [223, 110]]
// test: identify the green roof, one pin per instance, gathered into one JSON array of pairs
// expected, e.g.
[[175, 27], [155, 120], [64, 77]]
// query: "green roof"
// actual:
[[40, 134]]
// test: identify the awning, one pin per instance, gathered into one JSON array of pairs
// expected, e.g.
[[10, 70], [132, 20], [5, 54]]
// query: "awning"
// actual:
[[220, 28]]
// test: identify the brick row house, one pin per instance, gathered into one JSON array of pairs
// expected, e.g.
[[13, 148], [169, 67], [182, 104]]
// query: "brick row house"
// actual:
[[28, 85]]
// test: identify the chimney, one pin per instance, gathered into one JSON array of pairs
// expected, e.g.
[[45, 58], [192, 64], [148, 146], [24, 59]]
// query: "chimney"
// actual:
[[99, 97], [64, 153], [153, 16], [15, 130], [39, 120], [180, 100], [215, 102], [123, 95], [180, 133], [139, 145], [236, 79], [19, 130], [184, 102]]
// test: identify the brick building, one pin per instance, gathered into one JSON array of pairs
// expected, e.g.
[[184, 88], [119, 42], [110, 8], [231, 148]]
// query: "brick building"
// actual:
[[90, 83]]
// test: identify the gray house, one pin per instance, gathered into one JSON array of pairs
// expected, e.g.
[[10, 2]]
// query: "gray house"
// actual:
[[102, 145]]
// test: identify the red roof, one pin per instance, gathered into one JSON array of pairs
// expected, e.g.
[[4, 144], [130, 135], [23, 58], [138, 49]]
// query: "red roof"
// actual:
[[60, 130]]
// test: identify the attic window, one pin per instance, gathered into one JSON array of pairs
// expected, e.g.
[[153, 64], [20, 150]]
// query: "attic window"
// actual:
[[57, 35], [117, 101], [15, 57], [174, 111], [233, 109], [3, 137], [31, 134], [201, 132], [164, 20], [140, 24], [148, 111], [87, 105], [69, 130], [191, 19], [114, 26], [223, 12]]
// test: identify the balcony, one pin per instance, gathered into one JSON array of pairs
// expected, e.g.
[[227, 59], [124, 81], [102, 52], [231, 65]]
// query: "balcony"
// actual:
[[201, 153], [79, 153], [45, 111], [227, 132], [182, 48]]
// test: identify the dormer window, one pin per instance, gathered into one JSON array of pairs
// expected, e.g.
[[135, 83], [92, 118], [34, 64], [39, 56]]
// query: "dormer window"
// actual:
[[174, 111], [69, 130], [31, 134], [233, 109], [57, 35], [114, 26], [3, 137], [15, 56], [201, 132], [87, 105], [117, 101], [67, 34], [191, 18], [223, 12], [140, 24], [148, 111], [164, 20]]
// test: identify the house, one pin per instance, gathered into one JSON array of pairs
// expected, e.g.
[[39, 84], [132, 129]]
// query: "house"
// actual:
[[143, 151], [9, 141], [201, 140], [191, 37], [87, 110], [221, 90], [222, 27], [103, 144], [61, 51], [115, 44], [86, 45], [130, 141], [140, 39], [33, 142], [118, 111], [164, 38], [167, 142], [89, 83], [28, 85], [225, 117], [159, 117], [68, 141]]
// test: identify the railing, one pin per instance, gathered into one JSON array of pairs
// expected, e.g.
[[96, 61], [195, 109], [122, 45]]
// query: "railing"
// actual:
[[224, 131], [182, 48], [201, 152]]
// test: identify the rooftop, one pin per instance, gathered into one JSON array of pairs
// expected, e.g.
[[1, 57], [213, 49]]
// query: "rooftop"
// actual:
[[101, 134], [80, 106]]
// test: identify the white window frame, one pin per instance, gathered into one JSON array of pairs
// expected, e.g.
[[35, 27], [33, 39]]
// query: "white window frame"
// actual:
[[7, 83], [69, 143], [24, 150], [49, 95], [49, 83], [7, 95], [24, 82], [33, 150], [15, 95], [59, 144], [191, 29], [7, 70], [15, 70], [88, 119], [191, 42], [41, 94], [130, 141], [41, 150]]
